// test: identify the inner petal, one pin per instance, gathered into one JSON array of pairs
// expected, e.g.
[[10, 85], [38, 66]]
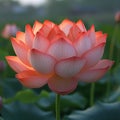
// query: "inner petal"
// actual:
[[69, 67], [61, 49]]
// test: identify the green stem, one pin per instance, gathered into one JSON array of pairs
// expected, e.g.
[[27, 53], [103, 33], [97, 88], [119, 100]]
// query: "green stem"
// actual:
[[92, 91], [112, 45], [108, 88], [57, 107]]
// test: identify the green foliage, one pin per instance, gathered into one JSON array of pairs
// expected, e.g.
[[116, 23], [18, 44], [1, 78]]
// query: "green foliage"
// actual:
[[20, 111], [101, 111]]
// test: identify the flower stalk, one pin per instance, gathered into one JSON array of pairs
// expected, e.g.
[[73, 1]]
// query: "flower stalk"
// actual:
[[92, 91], [57, 107], [112, 45]]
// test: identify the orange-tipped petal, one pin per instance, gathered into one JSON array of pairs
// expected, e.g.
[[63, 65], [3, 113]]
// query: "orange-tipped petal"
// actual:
[[81, 25], [16, 64], [94, 55], [29, 36], [46, 27], [20, 36], [69, 67], [98, 33], [42, 62], [101, 39], [96, 72], [66, 25], [40, 43], [61, 49], [82, 44], [54, 32], [92, 35], [32, 79], [74, 32], [45, 30], [49, 23], [21, 50], [61, 85], [36, 27]]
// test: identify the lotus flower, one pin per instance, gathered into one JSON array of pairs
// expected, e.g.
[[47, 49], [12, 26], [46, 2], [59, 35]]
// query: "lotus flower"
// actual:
[[58, 55], [9, 30]]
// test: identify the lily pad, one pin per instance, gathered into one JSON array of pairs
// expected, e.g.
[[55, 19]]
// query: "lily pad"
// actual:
[[101, 111]]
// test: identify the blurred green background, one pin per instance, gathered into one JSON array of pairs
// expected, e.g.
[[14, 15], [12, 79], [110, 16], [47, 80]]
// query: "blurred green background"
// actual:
[[93, 10]]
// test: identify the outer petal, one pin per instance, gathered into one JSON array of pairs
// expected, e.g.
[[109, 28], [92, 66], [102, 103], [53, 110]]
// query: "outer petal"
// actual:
[[29, 36], [81, 25], [95, 73], [98, 33], [16, 64], [69, 67], [42, 62], [40, 42], [61, 49], [62, 85], [32, 79], [101, 39], [36, 27], [66, 25], [21, 50], [20, 36], [94, 55], [82, 44]]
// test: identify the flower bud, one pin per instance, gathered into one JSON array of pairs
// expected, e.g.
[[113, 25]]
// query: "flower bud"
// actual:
[[2, 66], [0, 102], [117, 17], [9, 30]]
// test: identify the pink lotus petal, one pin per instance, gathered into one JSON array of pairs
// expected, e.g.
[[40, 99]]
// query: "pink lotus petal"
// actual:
[[37, 26], [62, 85], [42, 62], [21, 50], [61, 49], [82, 44], [29, 36], [20, 36], [74, 32], [32, 79], [92, 35], [49, 23], [45, 30], [98, 33], [103, 64], [69, 67], [96, 72], [101, 39], [40, 42], [81, 25], [94, 55], [16, 64], [66, 25], [54, 32]]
